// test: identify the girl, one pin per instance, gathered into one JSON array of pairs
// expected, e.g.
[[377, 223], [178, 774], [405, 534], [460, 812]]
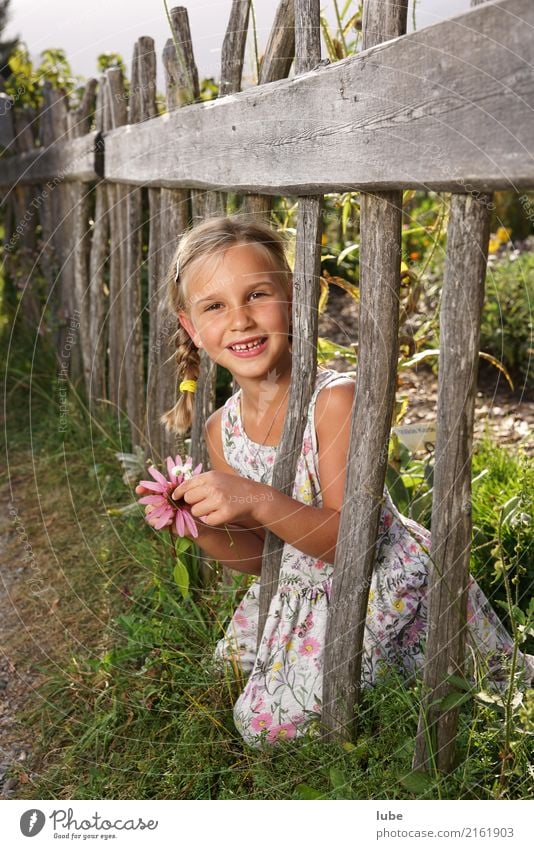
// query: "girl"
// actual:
[[230, 288]]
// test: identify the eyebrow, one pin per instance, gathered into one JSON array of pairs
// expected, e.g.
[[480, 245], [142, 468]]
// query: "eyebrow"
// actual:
[[216, 295]]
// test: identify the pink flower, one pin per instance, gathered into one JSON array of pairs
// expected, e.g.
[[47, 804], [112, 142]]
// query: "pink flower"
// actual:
[[161, 511], [309, 646], [282, 732], [263, 720]]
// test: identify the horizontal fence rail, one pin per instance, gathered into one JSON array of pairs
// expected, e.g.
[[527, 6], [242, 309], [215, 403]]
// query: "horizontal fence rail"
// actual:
[[425, 110]]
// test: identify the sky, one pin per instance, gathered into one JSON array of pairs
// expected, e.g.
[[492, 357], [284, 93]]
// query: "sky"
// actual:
[[85, 29]]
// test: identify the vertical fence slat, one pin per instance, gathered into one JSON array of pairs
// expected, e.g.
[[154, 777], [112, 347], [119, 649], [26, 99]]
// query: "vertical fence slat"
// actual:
[[380, 226], [461, 307], [53, 127], [97, 261], [233, 49], [366, 469], [306, 290], [275, 65], [174, 219], [22, 267], [142, 65], [80, 199], [116, 108], [209, 205]]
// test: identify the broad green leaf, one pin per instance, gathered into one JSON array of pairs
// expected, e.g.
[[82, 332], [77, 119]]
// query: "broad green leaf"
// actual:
[[417, 782], [327, 350], [183, 544], [304, 791], [346, 251], [458, 681], [453, 700], [181, 577]]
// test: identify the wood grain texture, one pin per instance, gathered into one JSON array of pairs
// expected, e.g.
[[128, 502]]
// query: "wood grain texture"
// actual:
[[75, 159], [461, 306], [275, 64], [78, 123], [280, 48], [117, 114], [426, 110], [306, 289], [380, 254], [233, 48], [175, 216], [141, 107], [371, 422]]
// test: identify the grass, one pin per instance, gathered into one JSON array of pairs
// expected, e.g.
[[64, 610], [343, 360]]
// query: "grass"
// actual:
[[128, 703]]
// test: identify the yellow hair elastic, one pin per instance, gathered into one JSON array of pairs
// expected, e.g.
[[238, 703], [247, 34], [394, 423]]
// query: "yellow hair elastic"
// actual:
[[188, 386]]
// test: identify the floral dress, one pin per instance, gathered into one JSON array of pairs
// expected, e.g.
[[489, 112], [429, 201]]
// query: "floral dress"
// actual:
[[282, 696]]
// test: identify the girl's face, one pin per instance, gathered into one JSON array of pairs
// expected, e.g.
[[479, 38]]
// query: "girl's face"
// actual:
[[235, 297]]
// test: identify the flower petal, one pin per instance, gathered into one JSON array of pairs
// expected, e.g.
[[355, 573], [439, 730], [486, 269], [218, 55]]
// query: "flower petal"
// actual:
[[166, 519], [197, 470], [178, 460], [152, 499], [157, 512], [170, 467], [179, 523], [153, 487], [190, 523], [158, 476]]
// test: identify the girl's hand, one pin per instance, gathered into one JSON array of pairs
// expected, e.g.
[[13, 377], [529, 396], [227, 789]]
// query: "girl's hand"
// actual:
[[219, 498]]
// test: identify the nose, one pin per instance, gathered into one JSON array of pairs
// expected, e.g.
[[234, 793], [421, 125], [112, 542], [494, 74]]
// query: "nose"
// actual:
[[240, 317]]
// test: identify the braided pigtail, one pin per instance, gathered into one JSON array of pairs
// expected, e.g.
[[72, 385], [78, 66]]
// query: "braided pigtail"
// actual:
[[179, 418]]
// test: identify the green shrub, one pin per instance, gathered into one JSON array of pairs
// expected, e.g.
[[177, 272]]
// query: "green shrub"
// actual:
[[506, 329]]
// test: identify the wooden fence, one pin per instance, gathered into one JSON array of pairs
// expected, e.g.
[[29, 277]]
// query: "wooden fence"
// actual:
[[447, 108]]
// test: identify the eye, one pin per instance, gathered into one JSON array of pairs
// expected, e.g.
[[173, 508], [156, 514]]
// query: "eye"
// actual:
[[258, 293], [210, 306]]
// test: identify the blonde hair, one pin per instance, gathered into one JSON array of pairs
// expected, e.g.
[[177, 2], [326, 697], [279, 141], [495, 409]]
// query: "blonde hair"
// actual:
[[211, 236]]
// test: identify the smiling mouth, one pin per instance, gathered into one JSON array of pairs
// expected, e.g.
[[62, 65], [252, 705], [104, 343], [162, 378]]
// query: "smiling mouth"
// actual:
[[248, 346]]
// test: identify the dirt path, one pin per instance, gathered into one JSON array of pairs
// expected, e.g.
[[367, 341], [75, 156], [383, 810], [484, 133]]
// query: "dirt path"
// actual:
[[18, 676], [54, 604]]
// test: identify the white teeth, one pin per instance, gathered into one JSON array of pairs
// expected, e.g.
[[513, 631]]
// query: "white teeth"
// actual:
[[247, 346]]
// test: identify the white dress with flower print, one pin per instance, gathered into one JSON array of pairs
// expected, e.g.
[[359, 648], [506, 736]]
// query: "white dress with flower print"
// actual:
[[282, 696]]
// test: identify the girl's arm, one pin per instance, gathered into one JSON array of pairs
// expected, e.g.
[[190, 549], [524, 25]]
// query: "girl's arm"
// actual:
[[245, 554], [314, 530]]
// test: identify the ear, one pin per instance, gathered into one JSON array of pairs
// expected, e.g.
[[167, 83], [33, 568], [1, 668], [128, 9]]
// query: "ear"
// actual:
[[188, 325]]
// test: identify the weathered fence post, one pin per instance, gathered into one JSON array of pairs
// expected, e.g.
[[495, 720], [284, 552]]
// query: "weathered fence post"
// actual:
[[100, 244], [57, 227], [275, 65], [141, 107], [116, 109], [80, 198], [461, 307], [380, 234], [19, 123], [306, 291], [174, 219]]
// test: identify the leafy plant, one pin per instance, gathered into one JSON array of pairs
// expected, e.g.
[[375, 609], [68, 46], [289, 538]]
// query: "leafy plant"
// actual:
[[507, 327]]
